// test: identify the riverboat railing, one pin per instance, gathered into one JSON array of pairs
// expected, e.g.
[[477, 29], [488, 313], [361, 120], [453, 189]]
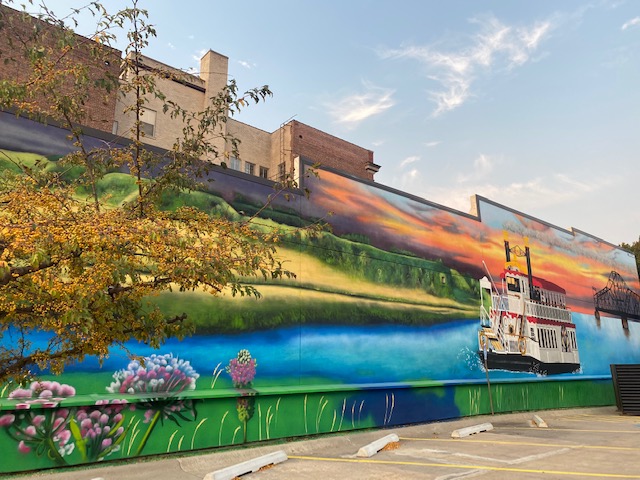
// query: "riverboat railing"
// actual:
[[548, 312], [501, 302]]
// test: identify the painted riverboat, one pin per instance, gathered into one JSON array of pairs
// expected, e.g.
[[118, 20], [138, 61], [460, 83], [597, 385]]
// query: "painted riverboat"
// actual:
[[525, 323]]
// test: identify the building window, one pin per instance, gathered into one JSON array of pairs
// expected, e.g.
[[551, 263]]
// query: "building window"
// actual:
[[282, 168], [264, 172], [249, 168], [234, 164], [148, 122]]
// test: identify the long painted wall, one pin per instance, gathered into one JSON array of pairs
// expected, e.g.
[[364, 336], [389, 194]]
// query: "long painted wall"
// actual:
[[379, 328]]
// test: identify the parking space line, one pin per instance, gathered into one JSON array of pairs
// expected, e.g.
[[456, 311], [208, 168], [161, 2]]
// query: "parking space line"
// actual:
[[632, 432], [601, 418], [531, 444], [465, 467]]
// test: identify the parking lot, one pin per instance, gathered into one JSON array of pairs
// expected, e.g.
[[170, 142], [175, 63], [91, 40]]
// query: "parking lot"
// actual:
[[584, 443]]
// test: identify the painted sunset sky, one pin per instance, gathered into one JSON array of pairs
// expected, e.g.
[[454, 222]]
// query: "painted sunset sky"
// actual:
[[573, 260]]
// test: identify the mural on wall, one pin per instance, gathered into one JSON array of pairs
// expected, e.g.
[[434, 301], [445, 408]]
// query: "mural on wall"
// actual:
[[526, 325], [397, 294], [554, 271], [616, 299]]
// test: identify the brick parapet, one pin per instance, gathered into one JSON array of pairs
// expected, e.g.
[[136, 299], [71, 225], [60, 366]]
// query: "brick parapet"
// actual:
[[20, 31], [330, 151]]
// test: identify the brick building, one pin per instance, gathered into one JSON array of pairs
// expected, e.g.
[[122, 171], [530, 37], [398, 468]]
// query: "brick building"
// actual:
[[20, 33], [266, 154]]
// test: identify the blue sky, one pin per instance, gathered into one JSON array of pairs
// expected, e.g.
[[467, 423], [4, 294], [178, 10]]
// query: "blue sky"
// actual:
[[533, 104]]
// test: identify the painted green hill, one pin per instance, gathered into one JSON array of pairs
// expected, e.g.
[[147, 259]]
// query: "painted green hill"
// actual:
[[339, 280]]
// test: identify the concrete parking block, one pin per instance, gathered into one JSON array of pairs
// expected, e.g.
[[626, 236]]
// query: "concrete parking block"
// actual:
[[249, 466], [536, 421], [374, 447], [465, 432]]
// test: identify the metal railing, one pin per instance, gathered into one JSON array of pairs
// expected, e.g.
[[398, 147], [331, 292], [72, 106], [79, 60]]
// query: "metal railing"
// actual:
[[548, 312]]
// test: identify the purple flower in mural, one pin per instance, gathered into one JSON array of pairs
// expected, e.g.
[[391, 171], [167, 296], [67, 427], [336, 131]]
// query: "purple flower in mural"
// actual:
[[160, 382], [242, 369], [44, 429], [99, 430]]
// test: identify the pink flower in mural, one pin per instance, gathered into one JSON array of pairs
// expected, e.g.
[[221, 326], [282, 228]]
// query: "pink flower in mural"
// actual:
[[44, 429], [23, 448], [6, 420], [45, 393], [159, 382], [99, 430], [242, 370]]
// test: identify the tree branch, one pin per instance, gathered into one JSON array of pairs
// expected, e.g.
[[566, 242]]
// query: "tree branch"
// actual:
[[15, 273]]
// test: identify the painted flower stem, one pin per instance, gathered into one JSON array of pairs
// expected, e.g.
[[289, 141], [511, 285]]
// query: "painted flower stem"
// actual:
[[54, 454], [152, 425]]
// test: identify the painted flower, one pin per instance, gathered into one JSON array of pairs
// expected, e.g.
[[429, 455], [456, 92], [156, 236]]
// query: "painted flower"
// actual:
[[7, 420], [245, 407], [160, 374], [45, 393], [99, 430], [44, 429], [242, 369], [159, 383]]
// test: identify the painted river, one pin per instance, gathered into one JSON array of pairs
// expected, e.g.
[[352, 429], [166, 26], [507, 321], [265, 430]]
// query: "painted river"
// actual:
[[370, 354]]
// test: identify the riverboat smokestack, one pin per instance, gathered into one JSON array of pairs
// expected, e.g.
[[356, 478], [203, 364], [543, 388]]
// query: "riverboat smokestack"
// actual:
[[527, 255]]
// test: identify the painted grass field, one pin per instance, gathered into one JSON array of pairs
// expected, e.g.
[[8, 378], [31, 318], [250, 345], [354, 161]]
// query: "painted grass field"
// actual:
[[320, 294]]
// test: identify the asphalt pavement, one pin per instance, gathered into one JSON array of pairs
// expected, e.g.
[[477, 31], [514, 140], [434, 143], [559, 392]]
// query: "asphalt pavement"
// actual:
[[576, 443]]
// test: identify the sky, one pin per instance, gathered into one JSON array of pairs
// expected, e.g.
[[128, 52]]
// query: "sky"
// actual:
[[532, 104]]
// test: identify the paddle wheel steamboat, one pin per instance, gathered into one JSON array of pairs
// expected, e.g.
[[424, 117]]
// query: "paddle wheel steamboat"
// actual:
[[527, 326]]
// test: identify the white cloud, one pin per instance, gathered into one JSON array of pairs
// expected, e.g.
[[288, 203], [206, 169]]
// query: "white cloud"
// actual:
[[410, 180], [496, 47], [353, 109], [194, 69], [246, 65], [409, 160], [432, 144], [171, 46], [631, 23], [482, 166], [530, 197], [196, 57]]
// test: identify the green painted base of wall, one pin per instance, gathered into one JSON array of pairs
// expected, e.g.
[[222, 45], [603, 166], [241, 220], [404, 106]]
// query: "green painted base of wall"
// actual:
[[77, 431]]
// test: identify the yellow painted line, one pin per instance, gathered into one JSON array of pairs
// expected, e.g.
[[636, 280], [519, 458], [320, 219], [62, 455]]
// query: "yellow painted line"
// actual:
[[634, 432], [595, 418], [466, 467], [530, 444]]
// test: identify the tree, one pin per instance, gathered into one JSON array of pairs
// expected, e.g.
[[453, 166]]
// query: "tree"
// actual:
[[76, 273], [635, 249]]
